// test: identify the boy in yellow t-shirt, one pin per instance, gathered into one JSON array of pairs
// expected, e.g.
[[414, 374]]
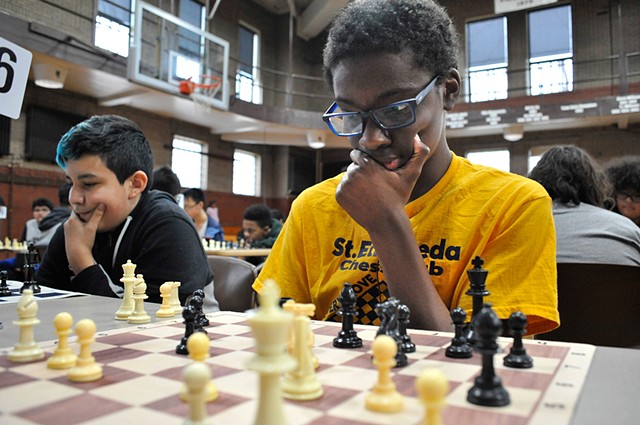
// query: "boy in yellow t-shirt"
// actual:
[[408, 215]]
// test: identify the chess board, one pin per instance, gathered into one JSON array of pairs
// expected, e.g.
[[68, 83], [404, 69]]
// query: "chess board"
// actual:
[[142, 378], [45, 293]]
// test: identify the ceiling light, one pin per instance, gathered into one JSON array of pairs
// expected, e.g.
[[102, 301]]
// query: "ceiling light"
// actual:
[[49, 76], [513, 132], [316, 139]]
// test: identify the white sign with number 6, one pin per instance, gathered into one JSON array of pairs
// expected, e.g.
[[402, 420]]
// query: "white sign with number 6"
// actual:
[[14, 73]]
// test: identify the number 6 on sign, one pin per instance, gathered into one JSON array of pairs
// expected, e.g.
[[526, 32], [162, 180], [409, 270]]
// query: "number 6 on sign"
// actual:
[[14, 73]]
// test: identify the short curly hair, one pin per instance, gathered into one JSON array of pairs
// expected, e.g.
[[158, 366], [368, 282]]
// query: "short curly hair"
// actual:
[[624, 174], [421, 27], [570, 175]]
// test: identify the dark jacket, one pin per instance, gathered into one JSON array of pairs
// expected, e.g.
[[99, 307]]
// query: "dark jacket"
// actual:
[[57, 216], [158, 236]]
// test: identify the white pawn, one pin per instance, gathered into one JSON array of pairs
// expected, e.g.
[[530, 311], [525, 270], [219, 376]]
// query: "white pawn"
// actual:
[[86, 368], [383, 396], [139, 316], [128, 279], [26, 350], [198, 345], [432, 386], [196, 376], [62, 357], [166, 310]]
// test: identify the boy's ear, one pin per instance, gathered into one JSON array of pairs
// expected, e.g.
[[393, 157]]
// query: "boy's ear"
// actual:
[[138, 182], [452, 89]]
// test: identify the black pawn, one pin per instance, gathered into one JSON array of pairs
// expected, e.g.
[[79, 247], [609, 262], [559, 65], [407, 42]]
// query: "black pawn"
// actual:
[[518, 357], [5, 291], [403, 323], [487, 389], [347, 337], [31, 261], [477, 290], [189, 316], [459, 349]]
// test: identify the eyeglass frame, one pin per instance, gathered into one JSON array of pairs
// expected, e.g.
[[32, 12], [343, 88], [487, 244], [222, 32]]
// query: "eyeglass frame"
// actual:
[[413, 104], [623, 196]]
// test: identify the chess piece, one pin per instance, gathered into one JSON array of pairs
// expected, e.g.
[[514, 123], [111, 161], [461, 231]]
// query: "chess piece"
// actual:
[[301, 383], [432, 387], [26, 350], [5, 291], [127, 279], [189, 316], [198, 346], [477, 290], [196, 377], [270, 327], [384, 397], [487, 389], [406, 344], [31, 261], [389, 325], [86, 368], [459, 349], [175, 297], [518, 357], [62, 357], [165, 309], [347, 337], [139, 316], [201, 318]]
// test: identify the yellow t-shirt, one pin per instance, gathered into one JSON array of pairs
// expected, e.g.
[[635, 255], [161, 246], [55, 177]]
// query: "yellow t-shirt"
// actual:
[[472, 211]]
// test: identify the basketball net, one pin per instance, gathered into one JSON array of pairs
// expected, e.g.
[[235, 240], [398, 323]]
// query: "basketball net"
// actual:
[[202, 93]]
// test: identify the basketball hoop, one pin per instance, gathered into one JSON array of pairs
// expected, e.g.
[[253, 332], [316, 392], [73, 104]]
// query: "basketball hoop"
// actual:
[[203, 92]]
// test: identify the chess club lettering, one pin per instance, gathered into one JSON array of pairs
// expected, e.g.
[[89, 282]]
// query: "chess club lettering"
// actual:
[[359, 257]]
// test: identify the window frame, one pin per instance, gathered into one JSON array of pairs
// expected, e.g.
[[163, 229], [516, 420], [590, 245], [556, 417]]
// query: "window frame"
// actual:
[[202, 157], [257, 173], [255, 79]]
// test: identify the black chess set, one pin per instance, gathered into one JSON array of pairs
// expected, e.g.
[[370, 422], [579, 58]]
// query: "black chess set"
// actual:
[[480, 334]]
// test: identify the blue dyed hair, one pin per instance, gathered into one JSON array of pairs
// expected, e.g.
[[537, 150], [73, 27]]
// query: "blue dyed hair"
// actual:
[[118, 142]]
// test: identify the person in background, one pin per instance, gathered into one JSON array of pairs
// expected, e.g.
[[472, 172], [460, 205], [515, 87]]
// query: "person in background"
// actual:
[[58, 215], [40, 208], [624, 175], [194, 206], [409, 216], [276, 214], [260, 230], [586, 232], [212, 211], [116, 218]]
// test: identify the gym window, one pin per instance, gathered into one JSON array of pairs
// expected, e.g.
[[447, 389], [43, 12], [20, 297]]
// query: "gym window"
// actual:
[[113, 24], [488, 59], [497, 158], [189, 162], [247, 75], [246, 173], [550, 50]]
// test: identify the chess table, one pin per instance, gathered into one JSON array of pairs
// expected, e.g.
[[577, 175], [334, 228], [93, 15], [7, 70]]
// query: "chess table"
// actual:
[[239, 252], [600, 384]]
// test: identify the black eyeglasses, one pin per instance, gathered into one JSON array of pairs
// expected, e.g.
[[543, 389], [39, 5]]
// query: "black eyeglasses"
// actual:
[[389, 117], [621, 196]]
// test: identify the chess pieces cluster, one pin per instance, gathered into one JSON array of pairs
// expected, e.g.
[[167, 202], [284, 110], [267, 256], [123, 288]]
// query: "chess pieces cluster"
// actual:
[[481, 334], [82, 367], [13, 244], [221, 245]]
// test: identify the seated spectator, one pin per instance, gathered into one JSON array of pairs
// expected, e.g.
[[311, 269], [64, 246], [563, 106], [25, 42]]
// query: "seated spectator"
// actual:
[[58, 215], [624, 175], [166, 180], [260, 230], [115, 218], [585, 231], [194, 206], [40, 208]]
